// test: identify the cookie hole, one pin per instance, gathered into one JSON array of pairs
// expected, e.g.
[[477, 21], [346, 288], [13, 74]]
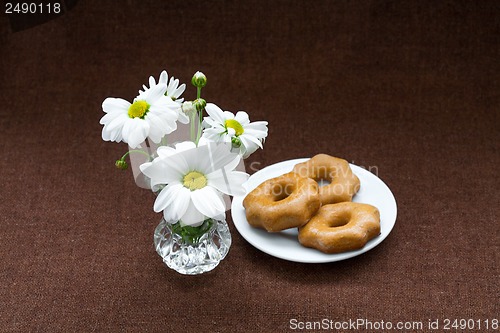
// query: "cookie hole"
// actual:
[[322, 175], [339, 221], [281, 192], [323, 182]]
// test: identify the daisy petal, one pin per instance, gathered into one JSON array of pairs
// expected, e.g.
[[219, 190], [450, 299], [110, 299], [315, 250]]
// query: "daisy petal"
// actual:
[[117, 122], [181, 202], [220, 156], [192, 216], [152, 82], [174, 167], [183, 118], [157, 131], [136, 131], [242, 118], [208, 202], [245, 138], [258, 125], [109, 117], [230, 183], [209, 122], [215, 112], [165, 151], [156, 92], [232, 165], [111, 104], [260, 134], [163, 78], [183, 146], [166, 197], [179, 91], [161, 172]]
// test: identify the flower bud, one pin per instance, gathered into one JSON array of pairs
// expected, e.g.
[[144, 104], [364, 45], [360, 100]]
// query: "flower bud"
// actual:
[[236, 142], [199, 80], [188, 108], [200, 104], [121, 164]]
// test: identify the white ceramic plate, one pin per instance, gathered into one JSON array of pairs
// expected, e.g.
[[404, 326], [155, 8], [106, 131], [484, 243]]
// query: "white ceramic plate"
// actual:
[[285, 244]]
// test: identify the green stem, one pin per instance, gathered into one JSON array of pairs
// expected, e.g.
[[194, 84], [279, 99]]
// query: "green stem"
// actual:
[[192, 235], [135, 151], [192, 129], [200, 120]]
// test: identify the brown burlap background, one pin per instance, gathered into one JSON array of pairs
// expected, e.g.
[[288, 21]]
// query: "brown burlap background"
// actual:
[[410, 88]]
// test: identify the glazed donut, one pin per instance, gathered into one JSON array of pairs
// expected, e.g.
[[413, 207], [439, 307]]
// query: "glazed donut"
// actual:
[[284, 202], [344, 184], [341, 227]]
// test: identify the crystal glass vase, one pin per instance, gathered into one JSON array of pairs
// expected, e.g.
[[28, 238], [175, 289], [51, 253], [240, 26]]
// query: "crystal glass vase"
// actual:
[[192, 250]]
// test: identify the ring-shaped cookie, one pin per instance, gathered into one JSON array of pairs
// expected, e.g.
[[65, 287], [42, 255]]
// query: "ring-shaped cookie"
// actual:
[[341, 227], [283, 202], [343, 183]]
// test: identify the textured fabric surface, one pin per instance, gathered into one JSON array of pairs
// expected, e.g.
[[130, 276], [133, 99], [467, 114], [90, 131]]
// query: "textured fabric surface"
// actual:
[[408, 88]]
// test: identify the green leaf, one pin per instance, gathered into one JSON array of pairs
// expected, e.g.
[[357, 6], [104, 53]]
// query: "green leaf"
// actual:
[[192, 235]]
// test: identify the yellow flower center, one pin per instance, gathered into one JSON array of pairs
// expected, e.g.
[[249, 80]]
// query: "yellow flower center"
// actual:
[[234, 124], [138, 109], [194, 180]]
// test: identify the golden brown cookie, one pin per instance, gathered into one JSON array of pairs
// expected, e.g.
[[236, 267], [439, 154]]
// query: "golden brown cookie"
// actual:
[[344, 184], [283, 202], [341, 227]]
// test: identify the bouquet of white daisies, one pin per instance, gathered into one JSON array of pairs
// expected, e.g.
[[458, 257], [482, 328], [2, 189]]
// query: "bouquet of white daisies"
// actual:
[[189, 177]]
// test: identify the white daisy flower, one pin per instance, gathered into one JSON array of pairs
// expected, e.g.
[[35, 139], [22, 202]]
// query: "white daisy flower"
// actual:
[[196, 179], [151, 115], [174, 91], [224, 126]]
